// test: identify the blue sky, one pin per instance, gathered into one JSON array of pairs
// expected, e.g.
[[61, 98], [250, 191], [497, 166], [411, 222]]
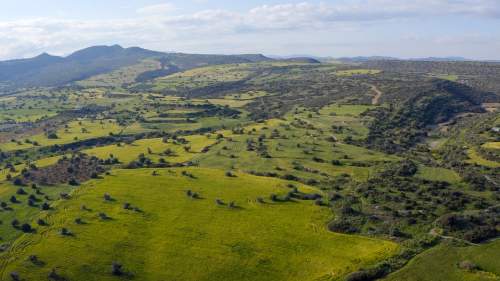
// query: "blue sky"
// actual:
[[420, 28]]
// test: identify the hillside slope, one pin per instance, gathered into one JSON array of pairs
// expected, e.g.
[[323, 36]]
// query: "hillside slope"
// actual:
[[47, 70], [175, 237]]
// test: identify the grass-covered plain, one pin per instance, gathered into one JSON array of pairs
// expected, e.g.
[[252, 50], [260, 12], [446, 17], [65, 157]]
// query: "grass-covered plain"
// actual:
[[438, 174], [312, 130], [474, 157], [73, 131], [352, 72], [492, 145], [175, 237], [26, 114], [203, 76], [43, 162], [442, 263], [124, 75], [154, 149]]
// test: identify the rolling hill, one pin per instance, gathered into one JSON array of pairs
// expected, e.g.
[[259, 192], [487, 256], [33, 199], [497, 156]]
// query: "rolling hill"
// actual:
[[48, 70]]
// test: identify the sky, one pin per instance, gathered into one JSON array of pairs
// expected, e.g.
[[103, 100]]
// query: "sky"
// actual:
[[336, 28]]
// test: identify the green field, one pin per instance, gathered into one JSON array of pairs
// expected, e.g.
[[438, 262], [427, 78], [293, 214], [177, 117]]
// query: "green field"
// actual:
[[295, 146], [203, 76], [20, 210], [129, 152], [73, 131], [352, 72], [492, 145], [388, 181], [450, 77], [476, 158], [39, 163], [247, 96], [120, 76], [26, 115], [438, 174], [178, 238], [442, 263]]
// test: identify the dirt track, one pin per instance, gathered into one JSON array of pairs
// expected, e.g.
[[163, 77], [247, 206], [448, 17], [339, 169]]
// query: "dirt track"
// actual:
[[378, 94]]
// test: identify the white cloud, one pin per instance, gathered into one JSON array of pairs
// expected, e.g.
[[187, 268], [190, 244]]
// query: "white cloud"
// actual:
[[163, 8], [266, 28]]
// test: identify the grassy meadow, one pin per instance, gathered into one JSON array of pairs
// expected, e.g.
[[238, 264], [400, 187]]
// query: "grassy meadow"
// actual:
[[154, 149], [352, 72], [174, 237], [73, 131], [376, 201], [474, 157], [443, 263]]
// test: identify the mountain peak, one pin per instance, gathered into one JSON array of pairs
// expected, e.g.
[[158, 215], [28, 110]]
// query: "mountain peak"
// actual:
[[96, 51]]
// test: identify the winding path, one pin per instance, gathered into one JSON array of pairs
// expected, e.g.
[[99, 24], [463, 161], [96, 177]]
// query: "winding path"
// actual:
[[378, 94]]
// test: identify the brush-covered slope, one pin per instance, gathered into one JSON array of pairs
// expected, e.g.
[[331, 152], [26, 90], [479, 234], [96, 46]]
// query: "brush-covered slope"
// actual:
[[47, 70], [406, 122]]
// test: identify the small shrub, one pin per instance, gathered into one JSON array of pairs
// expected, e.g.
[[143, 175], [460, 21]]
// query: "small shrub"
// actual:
[[103, 216], [73, 182], [21, 191], [52, 136], [336, 162], [33, 259], [467, 265], [65, 232], [54, 276], [15, 276], [274, 197], [17, 181], [15, 223], [116, 269], [26, 228]]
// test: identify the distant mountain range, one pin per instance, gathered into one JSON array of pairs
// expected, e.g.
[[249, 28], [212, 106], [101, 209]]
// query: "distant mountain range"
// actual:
[[360, 59], [48, 70], [379, 58], [372, 58]]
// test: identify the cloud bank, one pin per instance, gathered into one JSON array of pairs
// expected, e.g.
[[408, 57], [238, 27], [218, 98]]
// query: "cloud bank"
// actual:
[[319, 28]]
